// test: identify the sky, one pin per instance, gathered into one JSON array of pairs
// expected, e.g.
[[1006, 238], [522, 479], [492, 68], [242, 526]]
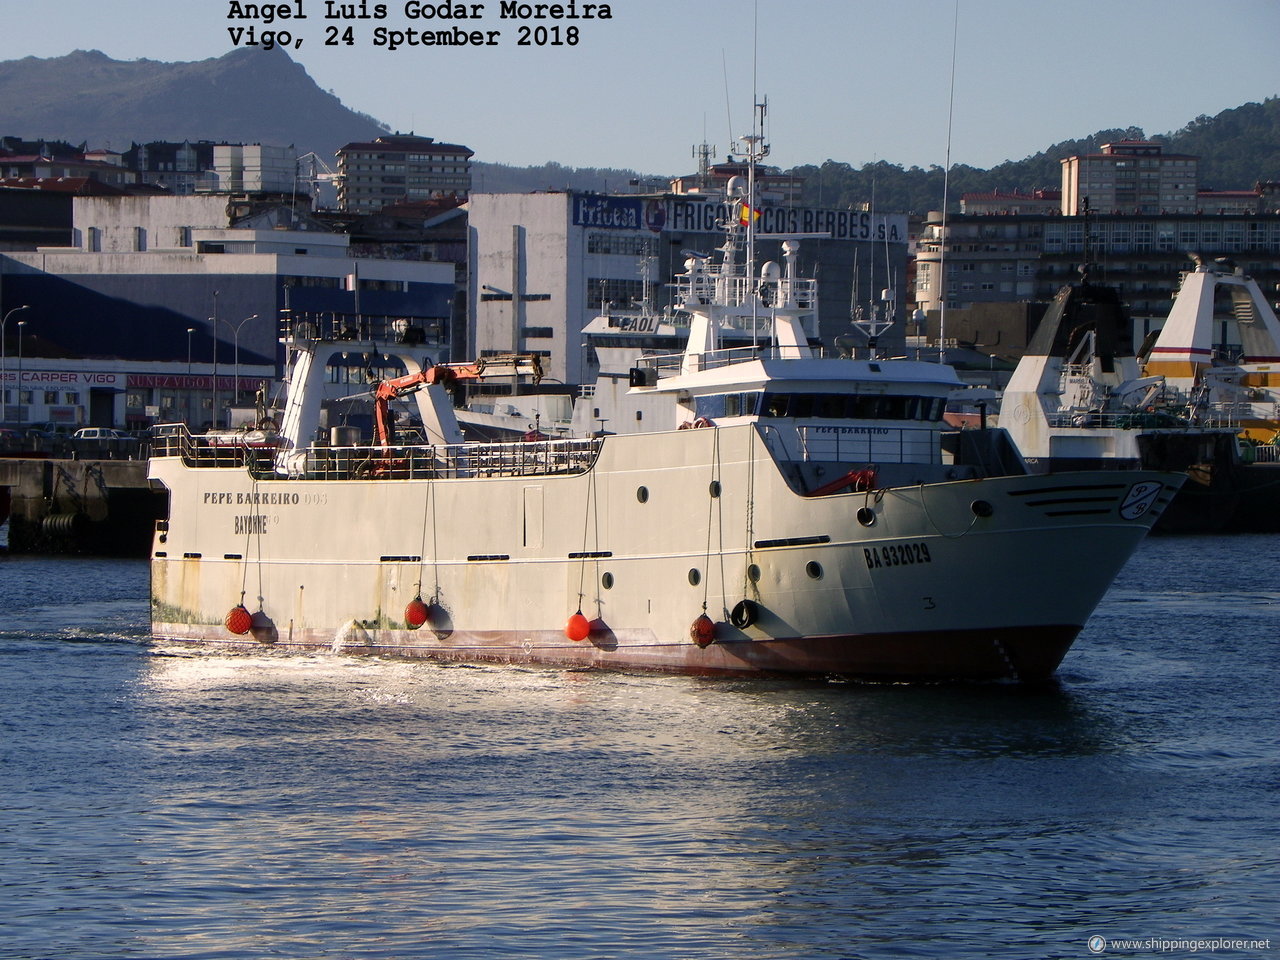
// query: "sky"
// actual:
[[848, 80]]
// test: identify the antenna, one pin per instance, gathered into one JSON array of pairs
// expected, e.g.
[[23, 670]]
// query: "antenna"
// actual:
[[1088, 247], [704, 152], [728, 113], [946, 186], [756, 150], [855, 311]]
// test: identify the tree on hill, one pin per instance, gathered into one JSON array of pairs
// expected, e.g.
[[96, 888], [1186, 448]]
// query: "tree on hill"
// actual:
[[1237, 148]]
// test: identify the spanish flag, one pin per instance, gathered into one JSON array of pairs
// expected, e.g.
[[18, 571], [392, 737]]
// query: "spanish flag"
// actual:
[[746, 214]]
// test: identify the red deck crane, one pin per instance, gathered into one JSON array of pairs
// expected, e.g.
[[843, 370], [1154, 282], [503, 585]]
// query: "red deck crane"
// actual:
[[512, 365]]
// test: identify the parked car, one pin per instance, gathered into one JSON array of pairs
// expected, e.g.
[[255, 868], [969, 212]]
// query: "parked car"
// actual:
[[99, 433], [51, 430], [7, 434]]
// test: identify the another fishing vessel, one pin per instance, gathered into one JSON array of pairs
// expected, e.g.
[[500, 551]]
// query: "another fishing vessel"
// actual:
[[1082, 397], [796, 514], [1241, 390], [1079, 400], [1236, 389]]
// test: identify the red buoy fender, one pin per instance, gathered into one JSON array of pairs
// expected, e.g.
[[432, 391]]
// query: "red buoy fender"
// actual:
[[578, 627], [703, 631], [239, 620], [415, 613]]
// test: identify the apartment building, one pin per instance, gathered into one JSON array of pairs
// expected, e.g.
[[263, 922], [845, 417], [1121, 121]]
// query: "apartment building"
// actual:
[[1028, 257], [1132, 177], [399, 168]]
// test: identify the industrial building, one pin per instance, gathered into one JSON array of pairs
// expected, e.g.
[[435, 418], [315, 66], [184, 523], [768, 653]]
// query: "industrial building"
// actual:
[[198, 288], [544, 264]]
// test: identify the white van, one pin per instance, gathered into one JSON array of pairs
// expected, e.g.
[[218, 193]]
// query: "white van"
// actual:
[[98, 433]]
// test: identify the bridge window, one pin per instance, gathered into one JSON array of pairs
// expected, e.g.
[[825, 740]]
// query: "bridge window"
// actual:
[[838, 406]]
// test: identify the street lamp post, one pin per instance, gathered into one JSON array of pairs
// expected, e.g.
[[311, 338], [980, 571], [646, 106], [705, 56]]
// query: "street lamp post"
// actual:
[[190, 390], [235, 340], [22, 411], [4, 382], [214, 321]]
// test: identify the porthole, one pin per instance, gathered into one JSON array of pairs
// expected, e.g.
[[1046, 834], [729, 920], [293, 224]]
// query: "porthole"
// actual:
[[642, 494], [695, 577], [866, 516], [814, 569], [714, 489], [753, 573], [981, 508], [606, 581]]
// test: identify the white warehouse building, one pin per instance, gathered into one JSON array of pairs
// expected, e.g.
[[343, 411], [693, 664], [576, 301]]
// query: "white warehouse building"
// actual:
[[542, 265]]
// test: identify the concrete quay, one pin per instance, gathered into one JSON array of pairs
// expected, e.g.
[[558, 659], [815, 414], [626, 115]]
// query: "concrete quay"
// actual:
[[102, 507]]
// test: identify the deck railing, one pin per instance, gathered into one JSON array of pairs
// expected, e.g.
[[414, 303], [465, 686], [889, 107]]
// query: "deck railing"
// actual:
[[1133, 420], [359, 462], [670, 364]]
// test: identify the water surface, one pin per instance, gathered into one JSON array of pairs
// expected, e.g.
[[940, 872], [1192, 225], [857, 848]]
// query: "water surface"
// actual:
[[164, 802]]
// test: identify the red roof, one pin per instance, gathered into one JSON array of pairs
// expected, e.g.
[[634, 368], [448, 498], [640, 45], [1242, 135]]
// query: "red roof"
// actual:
[[1046, 195], [80, 186], [407, 144]]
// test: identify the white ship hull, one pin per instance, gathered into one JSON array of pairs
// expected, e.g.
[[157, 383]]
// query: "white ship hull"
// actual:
[[933, 587]]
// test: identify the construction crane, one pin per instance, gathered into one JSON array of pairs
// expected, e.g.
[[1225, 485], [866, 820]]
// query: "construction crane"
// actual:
[[313, 171]]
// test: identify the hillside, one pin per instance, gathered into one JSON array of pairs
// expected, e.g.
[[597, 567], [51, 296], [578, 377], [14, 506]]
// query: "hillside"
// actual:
[[246, 96], [1237, 148], [256, 96]]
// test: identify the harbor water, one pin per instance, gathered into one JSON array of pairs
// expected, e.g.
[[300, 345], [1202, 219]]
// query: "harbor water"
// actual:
[[165, 802]]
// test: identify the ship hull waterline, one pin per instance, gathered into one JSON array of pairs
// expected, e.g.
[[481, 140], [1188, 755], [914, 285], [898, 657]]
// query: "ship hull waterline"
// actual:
[[1024, 654]]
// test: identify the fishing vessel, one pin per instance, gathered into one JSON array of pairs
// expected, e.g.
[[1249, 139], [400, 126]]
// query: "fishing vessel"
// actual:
[[795, 514], [1240, 389], [1080, 399], [1232, 384]]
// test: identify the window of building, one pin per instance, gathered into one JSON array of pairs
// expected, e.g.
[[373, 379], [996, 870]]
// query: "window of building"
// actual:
[[329, 282], [621, 242], [51, 396], [613, 290], [534, 333], [71, 397]]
